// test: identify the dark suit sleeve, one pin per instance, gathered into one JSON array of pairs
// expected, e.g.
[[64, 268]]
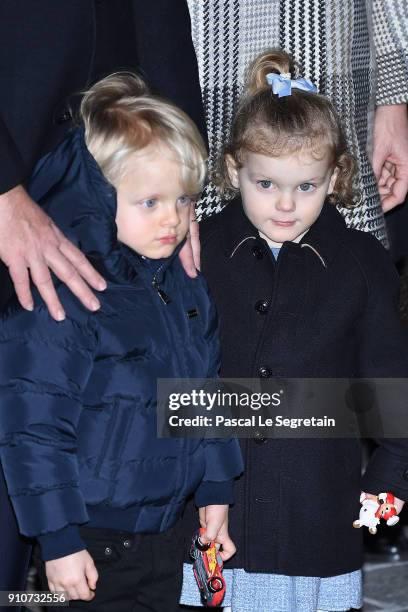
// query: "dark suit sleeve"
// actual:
[[166, 54], [12, 169]]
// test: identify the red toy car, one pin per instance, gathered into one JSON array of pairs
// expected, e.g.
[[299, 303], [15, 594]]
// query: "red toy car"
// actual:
[[207, 570]]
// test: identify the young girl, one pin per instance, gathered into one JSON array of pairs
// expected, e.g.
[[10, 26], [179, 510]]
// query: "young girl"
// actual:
[[86, 473], [299, 295]]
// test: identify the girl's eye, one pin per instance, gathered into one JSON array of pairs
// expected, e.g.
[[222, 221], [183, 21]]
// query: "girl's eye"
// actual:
[[265, 184], [184, 200], [150, 203], [307, 187]]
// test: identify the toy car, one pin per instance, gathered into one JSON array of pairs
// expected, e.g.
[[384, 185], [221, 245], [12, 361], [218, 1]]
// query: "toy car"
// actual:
[[207, 569]]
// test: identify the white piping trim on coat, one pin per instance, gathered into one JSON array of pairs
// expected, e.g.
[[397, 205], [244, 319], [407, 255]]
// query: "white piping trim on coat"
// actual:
[[305, 244], [239, 244]]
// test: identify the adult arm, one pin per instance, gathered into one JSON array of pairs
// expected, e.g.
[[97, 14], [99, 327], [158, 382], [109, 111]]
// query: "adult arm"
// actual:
[[45, 367], [390, 146], [31, 245]]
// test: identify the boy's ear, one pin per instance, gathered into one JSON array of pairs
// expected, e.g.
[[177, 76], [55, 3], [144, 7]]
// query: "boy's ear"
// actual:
[[333, 180], [232, 171]]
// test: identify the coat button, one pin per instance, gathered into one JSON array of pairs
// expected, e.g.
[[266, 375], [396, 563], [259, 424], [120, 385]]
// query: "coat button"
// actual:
[[127, 543], [257, 252], [405, 474], [64, 116], [264, 372], [259, 438], [261, 306], [108, 551]]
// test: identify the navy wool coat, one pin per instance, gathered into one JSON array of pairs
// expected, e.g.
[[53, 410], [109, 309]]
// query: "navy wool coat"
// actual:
[[326, 308], [78, 398]]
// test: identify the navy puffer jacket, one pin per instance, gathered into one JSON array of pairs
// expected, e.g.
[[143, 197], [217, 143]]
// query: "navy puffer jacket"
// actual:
[[78, 398]]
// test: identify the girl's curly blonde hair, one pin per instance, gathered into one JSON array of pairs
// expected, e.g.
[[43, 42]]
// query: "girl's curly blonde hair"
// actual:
[[273, 126]]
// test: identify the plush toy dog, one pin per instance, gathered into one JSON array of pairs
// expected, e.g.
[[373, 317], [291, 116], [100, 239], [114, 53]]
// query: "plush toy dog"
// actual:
[[368, 516], [387, 510]]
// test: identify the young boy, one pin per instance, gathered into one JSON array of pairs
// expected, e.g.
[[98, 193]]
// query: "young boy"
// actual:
[[78, 398]]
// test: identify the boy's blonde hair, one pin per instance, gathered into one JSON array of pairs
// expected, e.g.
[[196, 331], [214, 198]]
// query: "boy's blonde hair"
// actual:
[[121, 117], [273, 126]]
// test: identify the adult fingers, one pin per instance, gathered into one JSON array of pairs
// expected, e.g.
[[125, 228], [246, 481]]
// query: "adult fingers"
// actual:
[[187, 259], [379, 158], [67, 273], [21, 281], [399, 192], [195, 237], [41, 277], [385, 175], [388, 165], [79, 261]]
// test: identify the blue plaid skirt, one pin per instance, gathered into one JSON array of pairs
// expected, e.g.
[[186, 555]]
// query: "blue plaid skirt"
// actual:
[[266, 592]]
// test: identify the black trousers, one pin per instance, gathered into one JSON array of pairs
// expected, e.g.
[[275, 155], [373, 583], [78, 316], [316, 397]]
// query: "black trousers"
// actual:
[[137, 572]]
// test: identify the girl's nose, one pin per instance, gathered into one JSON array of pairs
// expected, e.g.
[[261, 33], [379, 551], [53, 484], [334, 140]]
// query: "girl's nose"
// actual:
[[286, 202]]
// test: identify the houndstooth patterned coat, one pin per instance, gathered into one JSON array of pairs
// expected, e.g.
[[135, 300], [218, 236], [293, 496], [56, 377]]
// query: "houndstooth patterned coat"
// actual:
[[356, 51]]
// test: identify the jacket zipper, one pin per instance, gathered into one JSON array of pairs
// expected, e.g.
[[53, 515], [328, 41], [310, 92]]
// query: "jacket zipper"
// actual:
[[162, 294]]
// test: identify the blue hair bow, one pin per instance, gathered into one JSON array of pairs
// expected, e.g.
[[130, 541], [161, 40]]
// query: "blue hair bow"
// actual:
[[282, 84]]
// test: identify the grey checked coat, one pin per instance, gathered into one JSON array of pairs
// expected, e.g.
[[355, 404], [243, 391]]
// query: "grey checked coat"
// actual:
[[356, 51]]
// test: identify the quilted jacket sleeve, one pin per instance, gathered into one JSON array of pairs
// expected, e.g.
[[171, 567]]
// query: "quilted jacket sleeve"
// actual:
[[223, 456], [384, 354], [390, 30], [44, 367]]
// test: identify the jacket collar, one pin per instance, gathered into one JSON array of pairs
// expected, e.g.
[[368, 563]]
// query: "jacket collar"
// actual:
[[237, 230]]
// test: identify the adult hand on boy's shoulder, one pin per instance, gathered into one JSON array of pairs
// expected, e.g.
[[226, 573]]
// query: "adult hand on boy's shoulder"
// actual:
[[214, 519], [190, 253], [30, 243], [76, 574]]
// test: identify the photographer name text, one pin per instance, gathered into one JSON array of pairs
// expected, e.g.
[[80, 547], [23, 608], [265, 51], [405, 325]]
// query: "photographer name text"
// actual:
[[255, 420]]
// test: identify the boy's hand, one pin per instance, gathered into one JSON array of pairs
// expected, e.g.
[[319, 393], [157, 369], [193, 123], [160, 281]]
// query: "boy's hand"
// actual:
[[76, 574], [399, 504], [214, 519]]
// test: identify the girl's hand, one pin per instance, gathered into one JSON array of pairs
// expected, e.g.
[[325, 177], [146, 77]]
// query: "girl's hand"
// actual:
[[76, 574], [399, 504], [214, 519]]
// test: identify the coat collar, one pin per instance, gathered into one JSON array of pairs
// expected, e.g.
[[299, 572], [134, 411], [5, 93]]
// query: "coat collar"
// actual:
[[321, 239]]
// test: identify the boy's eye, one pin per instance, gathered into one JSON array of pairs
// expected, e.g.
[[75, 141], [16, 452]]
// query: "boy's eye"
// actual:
[[184, 200], [306, 187], [149, 203], [265, 184]]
